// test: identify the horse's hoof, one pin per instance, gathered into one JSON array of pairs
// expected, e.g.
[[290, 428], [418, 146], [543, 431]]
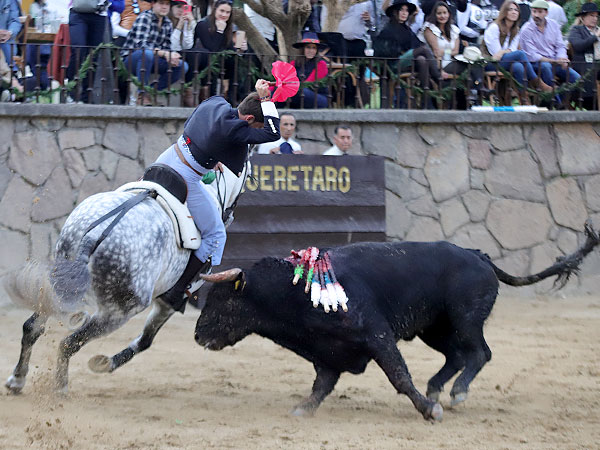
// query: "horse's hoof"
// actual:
[[458, 399], [14, 385], [300, 411], [100, 364], [437, 412]]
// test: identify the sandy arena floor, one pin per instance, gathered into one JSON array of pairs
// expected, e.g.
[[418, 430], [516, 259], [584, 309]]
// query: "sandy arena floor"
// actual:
[[540, 391]]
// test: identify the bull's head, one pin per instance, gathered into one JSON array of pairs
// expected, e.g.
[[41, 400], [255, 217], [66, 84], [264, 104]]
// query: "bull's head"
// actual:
[[226, 317]]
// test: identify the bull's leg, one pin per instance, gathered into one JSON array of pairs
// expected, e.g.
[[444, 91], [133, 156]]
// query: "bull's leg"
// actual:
[[99, 324], [33, 328], [448, 345], [322, 387], [389, 358], [477, 353], [160, 313]]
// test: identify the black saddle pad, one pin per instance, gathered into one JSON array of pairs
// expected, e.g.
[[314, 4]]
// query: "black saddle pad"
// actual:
[[167, 178]]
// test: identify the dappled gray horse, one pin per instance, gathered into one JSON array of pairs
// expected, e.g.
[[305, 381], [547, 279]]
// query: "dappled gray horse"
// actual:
[[117, 276]]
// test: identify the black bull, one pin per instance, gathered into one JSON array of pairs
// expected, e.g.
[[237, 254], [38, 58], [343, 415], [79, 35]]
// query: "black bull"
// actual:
[[437, 291]]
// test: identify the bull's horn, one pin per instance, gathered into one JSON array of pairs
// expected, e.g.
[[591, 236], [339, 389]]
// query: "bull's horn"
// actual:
[[220, 277]]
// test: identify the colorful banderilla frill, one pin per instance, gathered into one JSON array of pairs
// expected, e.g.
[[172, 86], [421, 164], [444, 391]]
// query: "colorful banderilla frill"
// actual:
[[320, 278]]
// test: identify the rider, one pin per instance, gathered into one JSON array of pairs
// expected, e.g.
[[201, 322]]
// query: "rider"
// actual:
[[216, 133]]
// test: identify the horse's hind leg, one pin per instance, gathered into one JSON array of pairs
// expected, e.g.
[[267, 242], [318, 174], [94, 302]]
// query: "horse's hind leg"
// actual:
[[33, 328], [160, 313], [99, 324]]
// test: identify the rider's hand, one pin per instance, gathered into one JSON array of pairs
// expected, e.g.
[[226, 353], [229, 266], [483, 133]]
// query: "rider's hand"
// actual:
[[262, 88], [219, 167]]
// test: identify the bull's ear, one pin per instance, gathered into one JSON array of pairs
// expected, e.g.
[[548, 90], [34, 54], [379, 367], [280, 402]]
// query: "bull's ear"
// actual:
[[240, 283]]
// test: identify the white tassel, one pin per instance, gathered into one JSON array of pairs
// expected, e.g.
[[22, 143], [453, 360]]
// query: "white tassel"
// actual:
[[332, 295], [315, 293], [325, 299], [341, 296]]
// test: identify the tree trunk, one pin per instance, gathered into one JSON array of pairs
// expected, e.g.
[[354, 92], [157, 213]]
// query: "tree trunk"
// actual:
[[335, 11]]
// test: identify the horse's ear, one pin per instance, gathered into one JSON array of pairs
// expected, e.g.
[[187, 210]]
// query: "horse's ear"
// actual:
[[221, 277]]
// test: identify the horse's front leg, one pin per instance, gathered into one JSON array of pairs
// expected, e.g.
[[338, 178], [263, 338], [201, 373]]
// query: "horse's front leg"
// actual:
[[160, 313], [33, 328]]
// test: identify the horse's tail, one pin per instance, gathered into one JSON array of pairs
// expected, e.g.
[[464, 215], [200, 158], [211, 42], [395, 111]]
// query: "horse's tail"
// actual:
[[29, 287], [71, 278]]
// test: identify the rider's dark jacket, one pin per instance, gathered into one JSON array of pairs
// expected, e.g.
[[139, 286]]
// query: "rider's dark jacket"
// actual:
[[214, 132]]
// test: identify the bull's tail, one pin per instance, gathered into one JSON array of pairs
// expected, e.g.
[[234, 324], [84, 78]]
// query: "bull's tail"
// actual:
[[564, 267], [71, 278]]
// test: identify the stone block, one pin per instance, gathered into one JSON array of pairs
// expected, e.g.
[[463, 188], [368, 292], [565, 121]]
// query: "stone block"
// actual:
[[380, 140], [397, 180], [75, 166], [542, 257], [397, 217], [475, 235], [34, 155], [578, 153], [447, 168], [544, 146], [14, 252], [424, 206], [435, 134], [81, 123], [419, 176], [566, 241], [453, 215], [49, 124], [76, 138], [480, 155], [311, 132], [127, 171], [411, 149], [153, 142], [592, 192], [477, 179], [507, 137], [5, 176], [41, 239], [313, 147], [566, 203], [92, 184], [517, 224], [92, 156], [108, 164], [475, 131], [515, 175], [7, 129], [15, 207], [122, 138], [515, 263], [477, 203], [22, 125], [171, 127], [55, 198], [425, 229]]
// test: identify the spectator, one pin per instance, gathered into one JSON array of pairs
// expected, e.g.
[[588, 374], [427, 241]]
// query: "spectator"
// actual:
[[213, 34], [264, 26], [151, 36], [122, 23], [286, 143], [397, 40], [7, 81], [470, 21], [355, 26], [584, 39], [310, 68], [442, 36], [9, 28], [501, 43], [342, 141], [39, 13], [556, 13], [184, 26], [542, 41]]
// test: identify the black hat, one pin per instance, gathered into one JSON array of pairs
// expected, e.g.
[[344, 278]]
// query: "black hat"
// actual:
[[309, 37], [399, 4], [588, 8]]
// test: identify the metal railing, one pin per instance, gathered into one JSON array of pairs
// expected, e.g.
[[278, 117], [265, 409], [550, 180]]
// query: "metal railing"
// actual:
[[101, 75]]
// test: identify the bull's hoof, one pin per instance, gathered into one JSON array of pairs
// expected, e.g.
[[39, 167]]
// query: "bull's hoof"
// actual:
[[14, 385], [437, 412], [100, 364], [457, 399], [302, 411]]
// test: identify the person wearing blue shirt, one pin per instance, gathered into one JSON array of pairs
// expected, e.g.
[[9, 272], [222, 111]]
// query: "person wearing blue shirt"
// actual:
[[9, 27]]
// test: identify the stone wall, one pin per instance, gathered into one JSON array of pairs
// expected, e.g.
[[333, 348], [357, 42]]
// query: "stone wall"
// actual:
[[518, 186]]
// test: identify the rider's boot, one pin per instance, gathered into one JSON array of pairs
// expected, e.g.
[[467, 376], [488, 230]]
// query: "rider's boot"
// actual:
[[174, 296]]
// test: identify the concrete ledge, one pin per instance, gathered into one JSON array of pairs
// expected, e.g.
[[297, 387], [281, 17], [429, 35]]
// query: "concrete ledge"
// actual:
[[323, 116]]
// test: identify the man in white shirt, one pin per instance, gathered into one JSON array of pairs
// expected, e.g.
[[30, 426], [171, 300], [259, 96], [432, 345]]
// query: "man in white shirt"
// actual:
[[557, 13], [342, 141], [287, 126]]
